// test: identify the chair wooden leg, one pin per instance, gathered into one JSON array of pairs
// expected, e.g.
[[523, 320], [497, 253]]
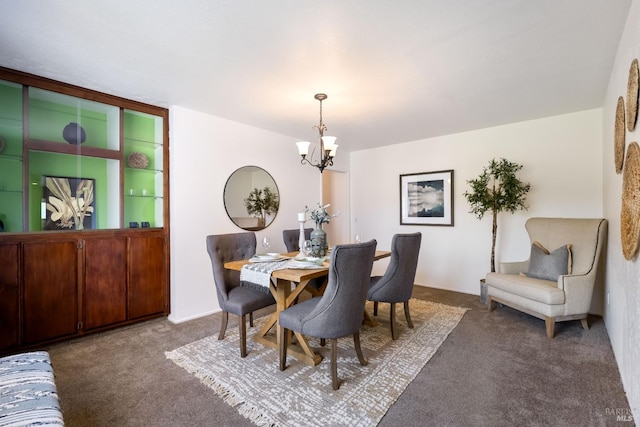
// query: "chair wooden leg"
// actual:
[[392, 321], [356, 344], [223, 324], [283, 347], [251, 319], [375, 308], [550, 323], [489, 303], [407, 315], [243, 335], [585, 324], [334, 364]]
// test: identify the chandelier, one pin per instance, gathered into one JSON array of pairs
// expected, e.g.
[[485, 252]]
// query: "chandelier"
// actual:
[[328, 144]]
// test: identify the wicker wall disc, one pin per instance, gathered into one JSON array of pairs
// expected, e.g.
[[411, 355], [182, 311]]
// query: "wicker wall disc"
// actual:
[[630, 212], [618, 138], [632, 96]]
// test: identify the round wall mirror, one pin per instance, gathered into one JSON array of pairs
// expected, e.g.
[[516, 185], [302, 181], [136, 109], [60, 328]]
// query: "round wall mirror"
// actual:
[[251, 198]]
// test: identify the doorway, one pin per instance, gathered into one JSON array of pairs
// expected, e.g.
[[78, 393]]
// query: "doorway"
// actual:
[[335, 190]]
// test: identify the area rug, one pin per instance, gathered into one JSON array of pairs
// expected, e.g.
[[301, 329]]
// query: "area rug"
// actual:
[[301, 395]]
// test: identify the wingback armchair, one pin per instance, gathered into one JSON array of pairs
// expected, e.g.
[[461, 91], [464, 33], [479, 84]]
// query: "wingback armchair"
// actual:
[[554, 297]]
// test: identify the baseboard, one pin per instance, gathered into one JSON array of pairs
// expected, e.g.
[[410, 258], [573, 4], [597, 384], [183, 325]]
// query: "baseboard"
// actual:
[[175, 320]]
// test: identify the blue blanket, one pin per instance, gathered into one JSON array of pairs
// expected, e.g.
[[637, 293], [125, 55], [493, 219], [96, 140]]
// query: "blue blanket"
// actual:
[[28, 395]]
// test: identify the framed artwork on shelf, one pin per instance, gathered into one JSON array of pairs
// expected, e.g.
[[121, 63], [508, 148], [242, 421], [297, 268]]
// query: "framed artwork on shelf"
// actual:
[[68, 203], [426, 198]]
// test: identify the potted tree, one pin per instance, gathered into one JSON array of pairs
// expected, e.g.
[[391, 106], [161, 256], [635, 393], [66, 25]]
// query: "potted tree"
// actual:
[[496, 190], [261, 203]]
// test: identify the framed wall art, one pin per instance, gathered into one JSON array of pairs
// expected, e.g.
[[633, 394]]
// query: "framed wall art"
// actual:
[[69, 203], [426, 198]]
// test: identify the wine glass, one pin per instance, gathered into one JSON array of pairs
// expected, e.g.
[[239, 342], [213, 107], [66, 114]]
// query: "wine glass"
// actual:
[[266, 244], [306, 248]]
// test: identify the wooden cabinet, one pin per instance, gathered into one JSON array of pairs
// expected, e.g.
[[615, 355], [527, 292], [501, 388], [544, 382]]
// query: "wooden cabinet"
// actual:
[[50, 283], [84, 203], [9, 332], [105, 281], [59, 286], [145, 272]]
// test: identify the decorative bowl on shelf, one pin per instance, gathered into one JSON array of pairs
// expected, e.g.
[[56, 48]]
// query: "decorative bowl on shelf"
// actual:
[[137, 160], [74, 134]]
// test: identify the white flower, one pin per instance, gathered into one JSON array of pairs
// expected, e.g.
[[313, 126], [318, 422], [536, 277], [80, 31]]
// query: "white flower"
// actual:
[[320, 215]]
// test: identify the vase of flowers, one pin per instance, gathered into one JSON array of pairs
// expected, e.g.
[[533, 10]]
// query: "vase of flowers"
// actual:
[[318, 236]]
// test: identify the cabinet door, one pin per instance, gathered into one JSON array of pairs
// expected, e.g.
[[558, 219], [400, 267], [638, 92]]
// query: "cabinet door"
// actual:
[[105, 281], [147, 276], [50, 290], [9, 332]]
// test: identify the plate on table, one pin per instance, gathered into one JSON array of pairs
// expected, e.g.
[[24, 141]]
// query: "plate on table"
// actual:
[[269, 257], [306, 263]]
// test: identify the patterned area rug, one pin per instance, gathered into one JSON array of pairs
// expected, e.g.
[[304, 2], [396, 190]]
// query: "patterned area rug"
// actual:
[[301, 395]]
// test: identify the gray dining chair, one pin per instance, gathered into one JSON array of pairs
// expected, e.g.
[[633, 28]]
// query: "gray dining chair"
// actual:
[[396, 284], [232, 297], [291, 238], [338, 313], [292, 242]]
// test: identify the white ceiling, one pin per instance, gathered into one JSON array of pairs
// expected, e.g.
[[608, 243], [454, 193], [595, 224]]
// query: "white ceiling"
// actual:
[[394, 71]]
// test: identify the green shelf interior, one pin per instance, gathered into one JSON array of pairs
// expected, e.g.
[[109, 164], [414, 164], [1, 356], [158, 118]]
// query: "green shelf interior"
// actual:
[[49, 113]]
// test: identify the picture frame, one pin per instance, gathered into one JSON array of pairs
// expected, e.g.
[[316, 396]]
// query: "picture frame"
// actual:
[[426, 198], [69, 203]]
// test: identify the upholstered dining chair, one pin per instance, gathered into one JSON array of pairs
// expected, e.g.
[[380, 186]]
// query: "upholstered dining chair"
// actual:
[[292, 242], [338, 313], [232, 297], [396, 284], [292, 238]]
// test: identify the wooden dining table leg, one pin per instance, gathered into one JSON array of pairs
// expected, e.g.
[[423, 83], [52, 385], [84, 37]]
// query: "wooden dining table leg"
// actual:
[[283, 290], [368, 320], [301, 349], [271, 321], [285, 297]]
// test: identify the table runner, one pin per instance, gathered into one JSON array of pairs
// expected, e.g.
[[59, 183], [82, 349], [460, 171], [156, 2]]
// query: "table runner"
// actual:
[[259, 274]]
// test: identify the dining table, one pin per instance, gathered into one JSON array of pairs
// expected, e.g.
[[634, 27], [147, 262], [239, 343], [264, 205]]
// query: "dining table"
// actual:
[[286, 285]]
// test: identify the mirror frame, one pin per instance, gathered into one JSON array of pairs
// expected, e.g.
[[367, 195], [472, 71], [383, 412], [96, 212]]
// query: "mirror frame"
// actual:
[[232, 201]]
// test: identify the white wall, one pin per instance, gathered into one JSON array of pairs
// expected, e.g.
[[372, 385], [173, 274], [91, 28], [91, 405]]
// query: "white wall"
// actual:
[[564, 157], [622, 315], [561, 156], [204, 151]]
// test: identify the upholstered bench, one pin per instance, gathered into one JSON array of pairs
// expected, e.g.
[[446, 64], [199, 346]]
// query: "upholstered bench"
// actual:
[[537, 286], [28, 395]]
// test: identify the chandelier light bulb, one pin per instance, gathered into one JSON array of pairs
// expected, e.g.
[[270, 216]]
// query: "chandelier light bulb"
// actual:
[[329, 142], [303, 147]]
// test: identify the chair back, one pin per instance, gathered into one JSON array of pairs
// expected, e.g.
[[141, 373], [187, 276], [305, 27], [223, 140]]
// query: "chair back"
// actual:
[[396, 285], [586, 236], [340, 310], [223, 248], [292, 238]]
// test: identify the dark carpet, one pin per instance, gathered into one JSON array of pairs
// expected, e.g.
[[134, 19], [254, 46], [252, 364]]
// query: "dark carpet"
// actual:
[[495, 369]]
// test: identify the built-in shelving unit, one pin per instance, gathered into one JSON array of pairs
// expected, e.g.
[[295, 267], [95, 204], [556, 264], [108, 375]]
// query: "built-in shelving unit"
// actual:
[[78, 170]]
